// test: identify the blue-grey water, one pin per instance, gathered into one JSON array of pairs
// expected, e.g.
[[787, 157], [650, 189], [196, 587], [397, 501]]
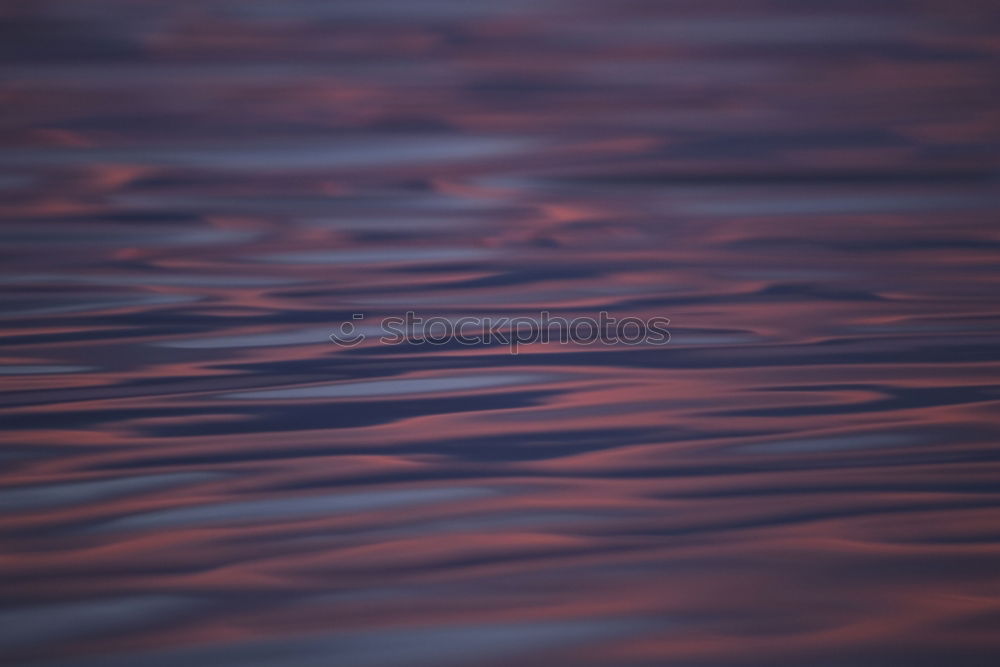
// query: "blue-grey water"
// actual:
[[195, 194]]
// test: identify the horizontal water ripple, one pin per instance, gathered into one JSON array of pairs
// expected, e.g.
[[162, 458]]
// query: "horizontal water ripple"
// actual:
[[197, 194]]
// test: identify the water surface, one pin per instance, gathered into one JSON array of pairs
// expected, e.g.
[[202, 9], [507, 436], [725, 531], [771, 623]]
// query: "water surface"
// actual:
[[195, 194]]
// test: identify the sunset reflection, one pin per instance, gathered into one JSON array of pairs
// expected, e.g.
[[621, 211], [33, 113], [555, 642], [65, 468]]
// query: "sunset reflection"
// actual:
[[195, 195]]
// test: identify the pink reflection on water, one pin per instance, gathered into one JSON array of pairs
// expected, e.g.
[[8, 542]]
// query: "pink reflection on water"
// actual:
[[196, 194]]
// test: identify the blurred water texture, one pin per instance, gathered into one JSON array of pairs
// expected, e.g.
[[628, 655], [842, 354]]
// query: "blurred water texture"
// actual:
[[194, 194]]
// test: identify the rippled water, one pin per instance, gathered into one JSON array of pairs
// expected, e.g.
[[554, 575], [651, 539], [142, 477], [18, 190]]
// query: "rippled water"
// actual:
[[195, 194]]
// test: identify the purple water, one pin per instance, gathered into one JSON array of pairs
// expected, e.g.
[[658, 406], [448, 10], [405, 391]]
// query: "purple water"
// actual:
[[194, 195]]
